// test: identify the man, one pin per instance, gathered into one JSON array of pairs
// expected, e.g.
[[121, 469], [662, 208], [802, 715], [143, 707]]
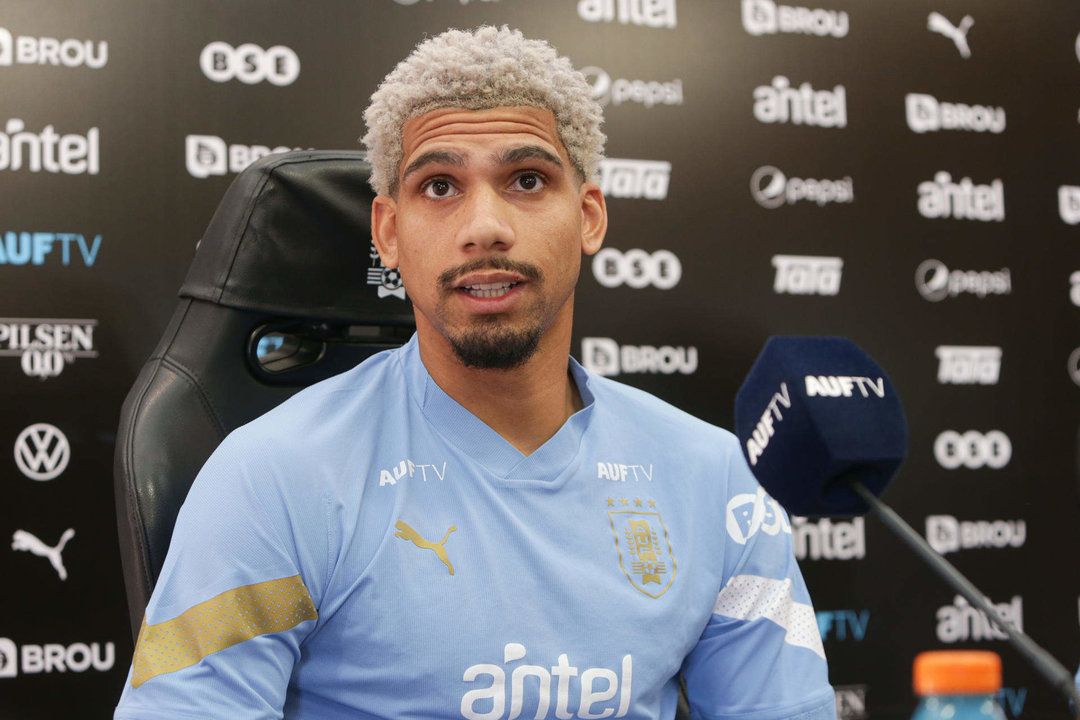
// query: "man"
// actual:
[[473, 526]]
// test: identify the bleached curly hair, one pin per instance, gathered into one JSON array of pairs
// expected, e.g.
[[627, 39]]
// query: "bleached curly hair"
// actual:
[[485, 68]]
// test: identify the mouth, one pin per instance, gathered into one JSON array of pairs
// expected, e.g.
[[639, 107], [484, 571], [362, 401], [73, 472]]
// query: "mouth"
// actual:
[[486, 291]]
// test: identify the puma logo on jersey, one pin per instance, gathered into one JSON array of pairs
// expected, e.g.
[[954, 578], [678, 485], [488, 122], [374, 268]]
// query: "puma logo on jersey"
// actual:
[[23, 540], [408, 533]]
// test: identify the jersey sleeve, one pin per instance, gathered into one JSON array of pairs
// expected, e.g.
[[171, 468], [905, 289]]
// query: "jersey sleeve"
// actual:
[[236, 597], [760, 656]]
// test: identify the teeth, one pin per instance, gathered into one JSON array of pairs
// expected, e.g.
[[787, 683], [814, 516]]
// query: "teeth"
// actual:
[[489, 290]]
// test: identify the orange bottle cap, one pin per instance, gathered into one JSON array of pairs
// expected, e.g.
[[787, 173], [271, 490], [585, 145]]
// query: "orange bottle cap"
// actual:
[[957, 672]]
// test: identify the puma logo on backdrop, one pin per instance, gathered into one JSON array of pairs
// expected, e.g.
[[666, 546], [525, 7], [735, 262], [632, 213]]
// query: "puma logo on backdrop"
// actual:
[[23, 540]]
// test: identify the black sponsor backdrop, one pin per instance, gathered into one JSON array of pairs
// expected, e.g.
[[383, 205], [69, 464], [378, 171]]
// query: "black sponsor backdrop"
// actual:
[[149, 211]]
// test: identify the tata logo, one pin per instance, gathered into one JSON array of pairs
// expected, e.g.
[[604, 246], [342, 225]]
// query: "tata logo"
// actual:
[[46, 347], [936, 282], [636, 268], [621, 90], [771, 188], [42, 452], [973, 449], [249, 63], [55, 657], [648, 13], [807, 274], [634, 179], [968, 364], [48, 150], [751, 513], [208, 155], [26, 50]]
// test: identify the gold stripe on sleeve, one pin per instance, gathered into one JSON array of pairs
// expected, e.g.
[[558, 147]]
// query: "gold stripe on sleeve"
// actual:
[[232, 617]]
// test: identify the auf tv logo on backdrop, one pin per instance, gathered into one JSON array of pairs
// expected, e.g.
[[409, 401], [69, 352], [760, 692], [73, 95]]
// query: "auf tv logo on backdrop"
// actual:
[[52, 248]]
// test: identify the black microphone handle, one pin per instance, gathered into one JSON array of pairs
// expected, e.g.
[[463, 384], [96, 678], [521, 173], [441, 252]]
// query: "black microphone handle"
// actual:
[[1045, 663]]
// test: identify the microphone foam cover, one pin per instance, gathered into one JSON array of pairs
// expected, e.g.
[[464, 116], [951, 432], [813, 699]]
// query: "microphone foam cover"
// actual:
[[815, 413]]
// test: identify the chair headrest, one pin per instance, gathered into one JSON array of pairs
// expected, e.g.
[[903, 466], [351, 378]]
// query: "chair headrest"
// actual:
[[292, 236]]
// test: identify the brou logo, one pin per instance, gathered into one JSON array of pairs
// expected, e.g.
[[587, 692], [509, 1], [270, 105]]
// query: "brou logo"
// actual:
[[935, 281], [634, 178], [647, 93], [604, 356], [209, 155], [25, 50], [21, 248], [249, 63], [45, 346], [42, 452], [765, 17], [54, 657], [807, 274], [650, 13], [69, 154], [636, 268], [771, 189], [781, 103], [583, 693], [942, 198], [947, 534], [926, 114], [968, 364]]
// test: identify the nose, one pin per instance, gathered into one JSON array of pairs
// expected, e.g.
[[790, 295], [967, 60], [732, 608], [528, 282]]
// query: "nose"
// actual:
[[486, 223]]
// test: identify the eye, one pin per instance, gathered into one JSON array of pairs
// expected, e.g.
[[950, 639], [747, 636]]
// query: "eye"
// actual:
[[439, 188], [529, 182]]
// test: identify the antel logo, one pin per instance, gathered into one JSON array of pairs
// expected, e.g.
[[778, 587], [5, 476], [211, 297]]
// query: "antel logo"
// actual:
[[45, 346], [26, 50], [973, 449], [771, 188], [828, 539], [637, 268], [55, 657], [925, 113], [781, 103], [968, 364], [807, 275], [649, 13], [935, 281], [1069, 204], [765, 17], [964, 200], [208, 155], [960, 622], [634, 179], [249, 63], [69, 154], [42, 452], [620, 90], [604, 356]]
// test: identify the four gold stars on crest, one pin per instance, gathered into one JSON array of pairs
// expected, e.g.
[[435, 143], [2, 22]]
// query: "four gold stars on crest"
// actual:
[[625, 502]]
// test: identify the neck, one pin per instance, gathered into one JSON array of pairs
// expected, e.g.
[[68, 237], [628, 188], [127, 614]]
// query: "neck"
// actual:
[[526, 405]]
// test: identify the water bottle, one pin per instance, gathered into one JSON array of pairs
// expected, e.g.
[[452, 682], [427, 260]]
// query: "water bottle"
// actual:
[[957, 685]]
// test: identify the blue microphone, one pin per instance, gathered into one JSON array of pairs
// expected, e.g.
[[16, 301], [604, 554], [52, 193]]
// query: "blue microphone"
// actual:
[[815, 413]]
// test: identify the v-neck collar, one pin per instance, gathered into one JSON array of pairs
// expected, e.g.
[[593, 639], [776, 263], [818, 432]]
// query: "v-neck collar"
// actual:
[[477, 440]]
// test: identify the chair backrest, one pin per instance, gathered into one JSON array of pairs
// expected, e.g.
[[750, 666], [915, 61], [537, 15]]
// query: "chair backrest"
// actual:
[[285, 289]]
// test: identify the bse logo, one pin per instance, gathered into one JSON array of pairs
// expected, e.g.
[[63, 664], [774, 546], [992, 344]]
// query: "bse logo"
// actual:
[[807, 275], [604, 356], [968, 364], [42, 452], [249, 64], [208, 155], [634, 179], [46, 346], [973, 450], [26, 50], [926, 114], [935, 281], [781, 103], [637, 268], [616, 92], [1069, 204], [72, 154], [749, 513], [771, 188], [964, 200], [649, 13], [764, 17], [946, 534]]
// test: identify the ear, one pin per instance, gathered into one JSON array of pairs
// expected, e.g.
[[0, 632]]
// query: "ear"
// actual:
[[593, 218], [384, 229]]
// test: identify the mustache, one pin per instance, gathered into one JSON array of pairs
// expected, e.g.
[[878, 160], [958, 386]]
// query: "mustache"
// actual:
[[528, 271]]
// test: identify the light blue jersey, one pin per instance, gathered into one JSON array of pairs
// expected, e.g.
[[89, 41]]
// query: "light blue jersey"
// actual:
[[370, 549]]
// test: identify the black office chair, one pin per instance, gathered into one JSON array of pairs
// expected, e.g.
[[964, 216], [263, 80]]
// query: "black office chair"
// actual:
[[285, 290]]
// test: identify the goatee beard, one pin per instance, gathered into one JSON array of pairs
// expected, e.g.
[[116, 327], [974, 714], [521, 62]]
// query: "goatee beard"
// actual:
[[495, 346]]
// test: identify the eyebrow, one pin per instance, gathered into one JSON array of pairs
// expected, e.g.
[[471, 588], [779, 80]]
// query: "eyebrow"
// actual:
[[516, 155], [441, 157]]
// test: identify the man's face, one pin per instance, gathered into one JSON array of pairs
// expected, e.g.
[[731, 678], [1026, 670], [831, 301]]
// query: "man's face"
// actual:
[[488, 227]]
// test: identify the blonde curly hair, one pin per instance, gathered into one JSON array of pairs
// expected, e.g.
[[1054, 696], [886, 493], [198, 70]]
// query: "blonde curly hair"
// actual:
[[485, 68]]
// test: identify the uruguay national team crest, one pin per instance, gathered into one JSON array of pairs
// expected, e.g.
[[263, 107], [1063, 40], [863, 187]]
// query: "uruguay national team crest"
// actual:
[[644, 548]]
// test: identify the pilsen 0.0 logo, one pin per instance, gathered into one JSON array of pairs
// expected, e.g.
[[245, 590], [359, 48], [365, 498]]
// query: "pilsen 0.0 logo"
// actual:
[[46, 346]]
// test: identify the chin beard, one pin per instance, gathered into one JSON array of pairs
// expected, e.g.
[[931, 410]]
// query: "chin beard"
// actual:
[[496, 347]]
